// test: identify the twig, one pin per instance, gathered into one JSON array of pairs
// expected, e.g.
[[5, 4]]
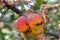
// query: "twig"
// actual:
[[55, 35], [12, 7]]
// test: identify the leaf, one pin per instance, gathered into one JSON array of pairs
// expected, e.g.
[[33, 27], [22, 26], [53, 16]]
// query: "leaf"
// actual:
[[37, 4], [31, 38], [7, 16]]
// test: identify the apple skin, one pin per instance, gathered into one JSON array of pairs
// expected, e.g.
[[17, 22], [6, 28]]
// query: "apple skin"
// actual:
[[35, 22], [22, 24]]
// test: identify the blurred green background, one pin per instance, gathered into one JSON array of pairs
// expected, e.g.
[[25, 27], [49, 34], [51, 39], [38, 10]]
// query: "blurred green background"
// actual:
[[8, 17]]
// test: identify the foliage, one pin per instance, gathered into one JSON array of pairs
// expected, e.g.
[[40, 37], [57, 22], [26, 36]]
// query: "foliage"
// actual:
[[8, 18]]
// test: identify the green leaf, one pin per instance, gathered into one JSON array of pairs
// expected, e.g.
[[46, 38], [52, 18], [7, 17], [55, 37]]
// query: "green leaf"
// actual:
[[31, 38], [39, 2], [58, 21]]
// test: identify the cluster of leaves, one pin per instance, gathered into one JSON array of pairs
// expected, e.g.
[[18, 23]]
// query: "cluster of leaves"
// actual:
[[8, 17]]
